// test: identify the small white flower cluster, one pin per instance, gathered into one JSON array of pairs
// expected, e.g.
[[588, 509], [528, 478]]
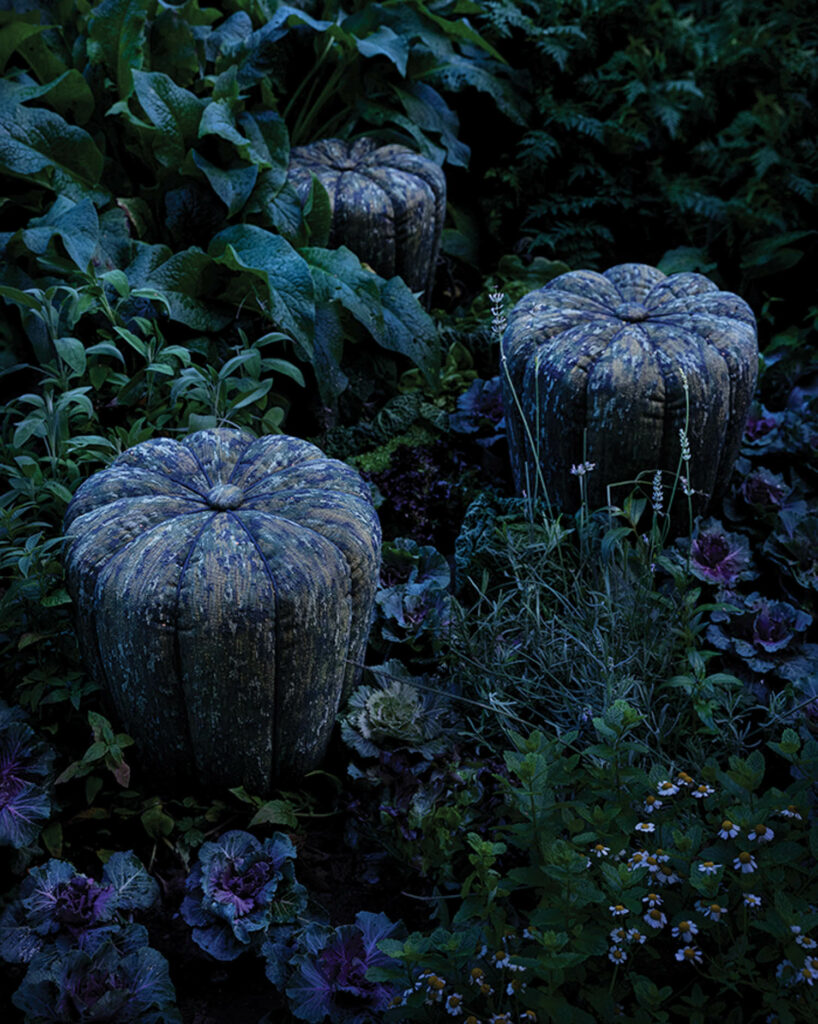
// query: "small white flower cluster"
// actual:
[[582, 468]]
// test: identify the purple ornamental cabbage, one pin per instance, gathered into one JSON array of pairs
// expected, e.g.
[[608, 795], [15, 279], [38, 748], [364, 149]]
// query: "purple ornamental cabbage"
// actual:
[[719, 557], [25, 767], [795, 550], [239, 890], [761, 630], [762, 430], [481, 409], [103, 980], [56, 903], [330, 978]]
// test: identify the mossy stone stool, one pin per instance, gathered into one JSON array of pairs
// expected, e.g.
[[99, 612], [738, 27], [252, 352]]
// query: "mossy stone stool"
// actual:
[[388, 204], [605, 368], [224, 587]]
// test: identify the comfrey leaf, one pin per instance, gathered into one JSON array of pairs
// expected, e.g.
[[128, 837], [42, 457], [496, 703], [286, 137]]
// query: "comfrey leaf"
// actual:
[[239, 889], [330, 979]]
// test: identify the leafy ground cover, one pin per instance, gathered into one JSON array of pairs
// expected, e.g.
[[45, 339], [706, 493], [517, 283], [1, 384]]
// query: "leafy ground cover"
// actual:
[[578, 781]]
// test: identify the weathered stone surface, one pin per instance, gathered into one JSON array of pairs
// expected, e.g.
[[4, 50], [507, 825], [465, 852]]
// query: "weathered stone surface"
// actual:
[[596, 362], [224, 588], [388, 204]]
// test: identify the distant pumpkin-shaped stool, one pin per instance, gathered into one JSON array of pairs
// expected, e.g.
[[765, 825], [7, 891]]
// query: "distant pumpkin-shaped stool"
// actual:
[[388, 204], [224, 588], [595, 369]]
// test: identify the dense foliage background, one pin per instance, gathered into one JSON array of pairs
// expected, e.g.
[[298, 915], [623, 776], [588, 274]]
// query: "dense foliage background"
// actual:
[[160, 275]]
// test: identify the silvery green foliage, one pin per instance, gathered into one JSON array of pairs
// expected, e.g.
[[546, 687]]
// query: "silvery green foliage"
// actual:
[[57, 906], [107, 979], [395, 714], [25, 766], [240, 891]]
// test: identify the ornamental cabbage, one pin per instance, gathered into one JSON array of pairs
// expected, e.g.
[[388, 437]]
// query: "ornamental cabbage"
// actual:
[[240, 891], [105, 979], [58, 905], [25, 766], [330, 978]]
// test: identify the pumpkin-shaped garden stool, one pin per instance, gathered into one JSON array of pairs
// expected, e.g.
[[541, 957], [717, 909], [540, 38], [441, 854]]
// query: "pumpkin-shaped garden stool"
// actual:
[[388, 204], [595, 368], [224, 588]]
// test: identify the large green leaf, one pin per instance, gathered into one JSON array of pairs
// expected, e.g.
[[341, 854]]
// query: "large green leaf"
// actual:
[[328, 352], [278, 206], [409, 329], [39, 145], [269, 143], [339, 276], [385, 43], [285, 274], [174, 112], [14, 35], [116, 39], [217, 119], [233, 186], [184, 282], [76, 224]]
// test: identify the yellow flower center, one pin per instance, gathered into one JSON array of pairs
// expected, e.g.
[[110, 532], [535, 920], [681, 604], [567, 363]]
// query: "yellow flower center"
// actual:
[[745, 857]]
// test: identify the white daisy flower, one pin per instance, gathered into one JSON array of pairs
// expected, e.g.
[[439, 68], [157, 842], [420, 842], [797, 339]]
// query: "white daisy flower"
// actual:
[[655, 918], [709, 867], [745, 863], [728, 829], [689, 954], [684, 930], [762, 833], [617, 955]]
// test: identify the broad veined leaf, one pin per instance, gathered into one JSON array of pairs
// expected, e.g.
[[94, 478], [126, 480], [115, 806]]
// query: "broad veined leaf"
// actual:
[[14, 34], [228, 37], [429, 111], [278, 206], [339, 276], [317, 213], [184, 282], [285, 274], [327, 354], [173, 111], [385, 43], [68, 93], [233, 186], [76, 224], [116, 39], [409, 329], [217, 119], [38, 144], [269, 143]]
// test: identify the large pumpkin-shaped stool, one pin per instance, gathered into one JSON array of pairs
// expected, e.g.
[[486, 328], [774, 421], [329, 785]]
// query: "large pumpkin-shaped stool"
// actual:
[[224, 588], [388, 204], [595, 370]]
